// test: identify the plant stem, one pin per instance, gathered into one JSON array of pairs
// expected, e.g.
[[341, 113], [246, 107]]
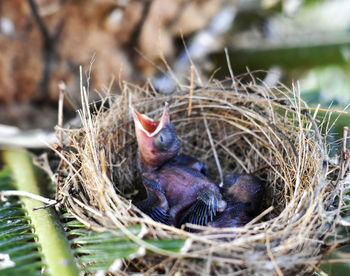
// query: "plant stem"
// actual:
[[296, 53], [55, 248]]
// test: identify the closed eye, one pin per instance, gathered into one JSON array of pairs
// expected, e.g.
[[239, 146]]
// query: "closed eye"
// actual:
[[164, 140]]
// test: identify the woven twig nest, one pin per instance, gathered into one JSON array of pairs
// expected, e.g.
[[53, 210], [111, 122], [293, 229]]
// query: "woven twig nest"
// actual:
[[254, 129]]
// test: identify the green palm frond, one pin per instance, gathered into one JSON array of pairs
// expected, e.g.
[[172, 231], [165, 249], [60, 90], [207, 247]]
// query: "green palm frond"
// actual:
[[16, 236], [54, 247], [92, 251], [97, 251]]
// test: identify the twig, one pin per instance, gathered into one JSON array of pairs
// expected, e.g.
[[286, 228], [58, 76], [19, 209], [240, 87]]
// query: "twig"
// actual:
[[135, 35], [345, 159], [230, 70], [45, 200], [40, 22], [49, 47], [285, 137], [272, 258], [67, 162], [191, 91], [322, 167], [323, 109], [213, 148], [61, 88], [47, 206], [199, 80], [257, 218], [332, 261], [345, 138]]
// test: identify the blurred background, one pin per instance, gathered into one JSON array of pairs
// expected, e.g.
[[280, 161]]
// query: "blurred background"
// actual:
[[42, 42]]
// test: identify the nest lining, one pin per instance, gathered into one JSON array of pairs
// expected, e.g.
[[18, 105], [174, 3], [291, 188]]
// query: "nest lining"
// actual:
[[264, 131]]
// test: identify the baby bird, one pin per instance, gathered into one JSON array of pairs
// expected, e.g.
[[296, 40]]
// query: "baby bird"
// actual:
[[177, 186], [243, 194]]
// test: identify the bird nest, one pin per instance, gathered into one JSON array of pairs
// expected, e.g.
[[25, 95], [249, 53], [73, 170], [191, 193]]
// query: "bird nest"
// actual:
[[232, 128]]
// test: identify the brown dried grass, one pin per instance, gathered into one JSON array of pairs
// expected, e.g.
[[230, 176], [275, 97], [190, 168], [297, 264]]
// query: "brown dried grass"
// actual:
[[268, 132]]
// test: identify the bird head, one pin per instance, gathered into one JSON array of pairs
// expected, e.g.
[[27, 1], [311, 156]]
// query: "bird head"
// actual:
[[157, 140]]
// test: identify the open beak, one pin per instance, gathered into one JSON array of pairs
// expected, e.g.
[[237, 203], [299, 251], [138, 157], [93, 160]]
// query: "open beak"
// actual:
[[149, 126]]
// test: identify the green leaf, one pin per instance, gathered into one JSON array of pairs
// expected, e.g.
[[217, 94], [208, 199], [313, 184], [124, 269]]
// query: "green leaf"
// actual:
[[98, 250], [93, 251], [55, 251], [341, 268], [16, 237], [174, 245]]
